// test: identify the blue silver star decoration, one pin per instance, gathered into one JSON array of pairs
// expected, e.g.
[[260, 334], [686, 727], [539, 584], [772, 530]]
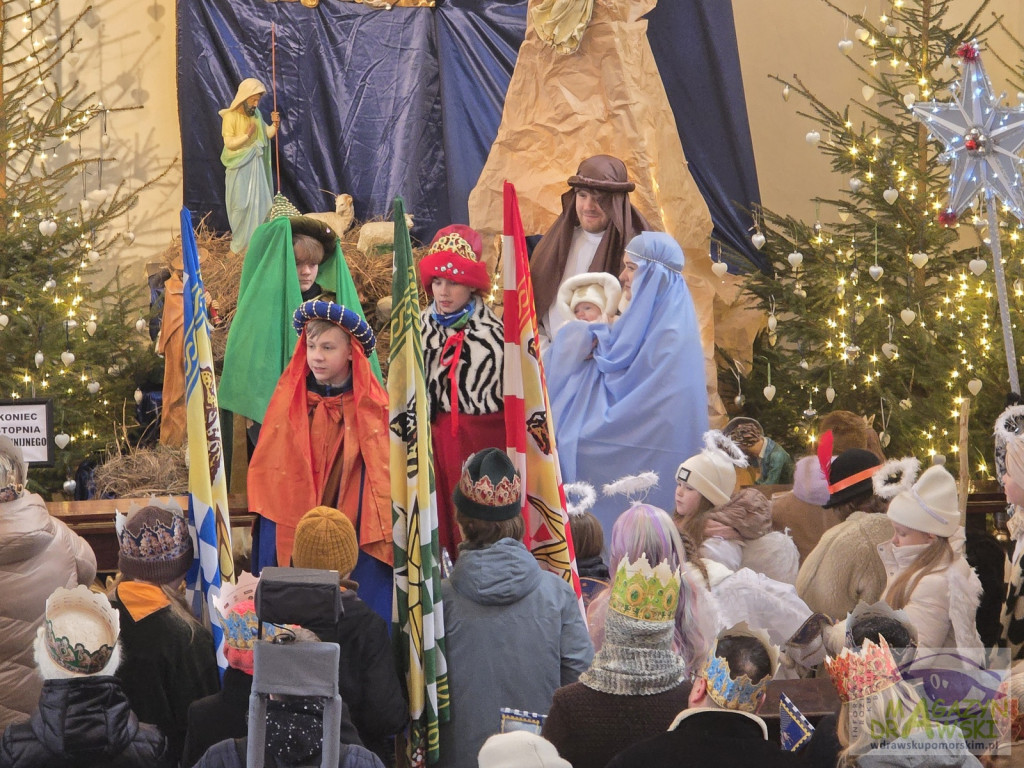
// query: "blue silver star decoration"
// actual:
[[983, 139]]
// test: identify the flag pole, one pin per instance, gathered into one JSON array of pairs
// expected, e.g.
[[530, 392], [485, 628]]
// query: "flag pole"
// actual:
[[273, 87]]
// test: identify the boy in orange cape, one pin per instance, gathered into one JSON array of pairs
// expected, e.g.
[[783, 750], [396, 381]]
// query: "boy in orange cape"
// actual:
[[325, 442]]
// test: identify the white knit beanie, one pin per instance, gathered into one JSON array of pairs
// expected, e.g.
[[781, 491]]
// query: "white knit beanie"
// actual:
[[520, 749], [712, 472], [930, 505]]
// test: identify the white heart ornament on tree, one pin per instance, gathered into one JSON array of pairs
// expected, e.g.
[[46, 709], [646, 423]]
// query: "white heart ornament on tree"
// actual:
[[93, 387], [769, 392], [47, 227], [69, 486], [773, 323], [856, 184], [129, 237], [67, 357], [758, 240], [920, 259], [884, 439], [830, 394], [720, 268], [974, 386], [812, 137], [977, 266], [867, 92], [138, 397], [863, 35], [908, 316], [140, 325], [845, 46], [890, 195], [39, 359], [875, 271], [795, 259], [889, 350], [62, 440], [90, 327], [909, 99]]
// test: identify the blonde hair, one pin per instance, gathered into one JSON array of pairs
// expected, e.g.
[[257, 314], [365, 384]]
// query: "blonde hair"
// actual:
[[316, 327], [936, 557]]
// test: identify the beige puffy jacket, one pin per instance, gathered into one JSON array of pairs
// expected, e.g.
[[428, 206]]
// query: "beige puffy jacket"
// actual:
[[844, 568], [38, 553]]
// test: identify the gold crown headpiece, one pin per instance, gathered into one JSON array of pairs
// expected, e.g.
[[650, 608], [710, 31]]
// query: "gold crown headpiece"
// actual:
[[453, 243], [856, 674], [645, 593]]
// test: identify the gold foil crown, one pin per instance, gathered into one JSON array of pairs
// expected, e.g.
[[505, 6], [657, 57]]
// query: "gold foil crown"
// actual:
[[453, 243], [645, 593]]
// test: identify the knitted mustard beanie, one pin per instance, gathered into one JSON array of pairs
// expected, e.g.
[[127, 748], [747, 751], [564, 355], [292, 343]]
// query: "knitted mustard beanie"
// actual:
[[326, 539]]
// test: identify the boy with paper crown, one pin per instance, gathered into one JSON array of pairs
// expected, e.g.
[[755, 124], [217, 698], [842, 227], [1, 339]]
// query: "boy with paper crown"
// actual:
[[720, 726], [325, 442], [592, 297]]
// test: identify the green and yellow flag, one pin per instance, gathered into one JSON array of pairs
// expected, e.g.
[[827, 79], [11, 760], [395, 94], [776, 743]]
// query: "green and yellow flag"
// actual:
[[417, 616]]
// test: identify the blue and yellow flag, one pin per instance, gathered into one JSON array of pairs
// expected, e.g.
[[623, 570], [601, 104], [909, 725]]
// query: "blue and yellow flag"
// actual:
[[795, 730], [208, 515], [418, 619]]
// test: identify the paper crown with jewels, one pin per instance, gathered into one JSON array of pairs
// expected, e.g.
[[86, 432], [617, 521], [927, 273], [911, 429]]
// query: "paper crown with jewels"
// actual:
[[856, 674], [80, 630], [236, 610], [455, 255], [741, 692], [645, 593], [154, 542]]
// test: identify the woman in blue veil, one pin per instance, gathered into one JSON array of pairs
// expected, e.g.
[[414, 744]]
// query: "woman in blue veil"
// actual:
[[632, 397]]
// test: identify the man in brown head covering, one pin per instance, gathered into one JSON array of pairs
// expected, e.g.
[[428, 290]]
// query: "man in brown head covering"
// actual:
[[590, 236]]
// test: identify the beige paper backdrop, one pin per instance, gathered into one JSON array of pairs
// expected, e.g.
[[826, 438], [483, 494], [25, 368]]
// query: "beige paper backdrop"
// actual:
[[608, 98]]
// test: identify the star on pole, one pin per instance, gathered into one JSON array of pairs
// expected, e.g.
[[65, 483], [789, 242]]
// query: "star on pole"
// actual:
[[982, 139]]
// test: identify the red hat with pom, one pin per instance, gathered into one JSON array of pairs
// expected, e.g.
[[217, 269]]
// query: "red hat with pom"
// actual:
[[455, 254]]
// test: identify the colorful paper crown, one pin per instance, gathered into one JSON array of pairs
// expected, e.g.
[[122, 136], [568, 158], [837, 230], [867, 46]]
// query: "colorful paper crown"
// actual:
[[455, 254], [645, 593], [340, 315], [741, 692], [489, 487], [81, 630], [856, 674]]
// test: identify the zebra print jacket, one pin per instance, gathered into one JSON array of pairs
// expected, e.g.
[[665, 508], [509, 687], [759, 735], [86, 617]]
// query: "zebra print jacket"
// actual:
[[479, 372]]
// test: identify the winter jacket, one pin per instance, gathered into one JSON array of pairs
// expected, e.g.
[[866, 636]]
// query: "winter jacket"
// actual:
[[166, 665], [38, 553], [80, 723], [943, 604], [844, 568], [367, 678], [514, 634], [588, 727], [708, 737]]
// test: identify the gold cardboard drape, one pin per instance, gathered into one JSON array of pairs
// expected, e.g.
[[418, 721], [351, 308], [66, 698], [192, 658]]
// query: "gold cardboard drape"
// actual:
[[608, 98]]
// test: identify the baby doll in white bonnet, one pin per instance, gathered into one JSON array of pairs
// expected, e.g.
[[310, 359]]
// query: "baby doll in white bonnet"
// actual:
[[592, 297]]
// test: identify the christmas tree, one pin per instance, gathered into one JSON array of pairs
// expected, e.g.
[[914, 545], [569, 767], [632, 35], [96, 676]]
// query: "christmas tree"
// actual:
[[890, 310], [61, 336]]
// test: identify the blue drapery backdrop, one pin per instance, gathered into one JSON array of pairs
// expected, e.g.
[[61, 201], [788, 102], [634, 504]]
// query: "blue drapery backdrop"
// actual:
[[407, 102]]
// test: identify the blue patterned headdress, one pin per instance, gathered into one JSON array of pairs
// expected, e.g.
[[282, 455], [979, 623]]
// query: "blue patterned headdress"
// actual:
[[740, 692], [341, 316]]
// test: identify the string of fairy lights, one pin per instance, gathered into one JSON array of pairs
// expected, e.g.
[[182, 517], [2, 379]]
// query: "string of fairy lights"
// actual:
[[42, 138], [964, 313]]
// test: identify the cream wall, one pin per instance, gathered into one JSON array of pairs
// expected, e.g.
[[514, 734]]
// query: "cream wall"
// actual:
[[128, 57], [787, 37]]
